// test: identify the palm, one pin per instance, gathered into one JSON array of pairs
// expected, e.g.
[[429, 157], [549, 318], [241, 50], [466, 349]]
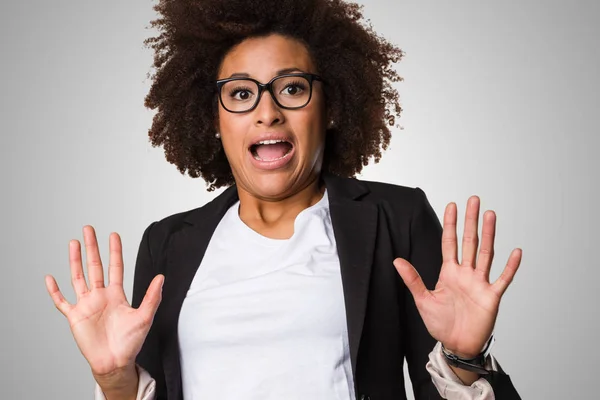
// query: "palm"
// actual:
[[107, 330], [461, 311]]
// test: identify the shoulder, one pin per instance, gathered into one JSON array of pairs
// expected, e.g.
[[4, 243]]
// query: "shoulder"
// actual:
[[159, 231], [404, 205], [397, 196], [406, 213], [383, 189]]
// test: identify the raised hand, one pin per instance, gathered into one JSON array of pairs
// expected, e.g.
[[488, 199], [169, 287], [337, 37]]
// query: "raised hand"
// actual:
[[461, 311], [108, 331]]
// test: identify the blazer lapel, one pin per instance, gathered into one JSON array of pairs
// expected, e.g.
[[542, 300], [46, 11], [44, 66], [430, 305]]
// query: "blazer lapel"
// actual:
[[355, 228], [185, 251]]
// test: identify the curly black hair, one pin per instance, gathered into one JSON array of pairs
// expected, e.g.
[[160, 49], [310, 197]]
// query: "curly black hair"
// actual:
[[194, 37]]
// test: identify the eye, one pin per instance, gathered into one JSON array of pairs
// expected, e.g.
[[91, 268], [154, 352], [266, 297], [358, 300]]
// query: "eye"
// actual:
[[294, 88], [240, 93]]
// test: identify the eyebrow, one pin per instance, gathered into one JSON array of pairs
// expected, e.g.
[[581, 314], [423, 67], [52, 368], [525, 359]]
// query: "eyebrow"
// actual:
[[280, 72]]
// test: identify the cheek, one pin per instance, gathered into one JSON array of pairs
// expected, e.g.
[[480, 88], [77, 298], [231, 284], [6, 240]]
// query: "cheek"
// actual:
[[313, 124], [232, 128], [229, 122], [318, 129], [313, 138]]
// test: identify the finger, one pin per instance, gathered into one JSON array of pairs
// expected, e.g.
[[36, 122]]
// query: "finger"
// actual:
[[115, 263], [152, 298], [470, 239], [94, 264], [509, 272], [411, 279], [486, 250], [449, 242], [59, 301], [77, 277]]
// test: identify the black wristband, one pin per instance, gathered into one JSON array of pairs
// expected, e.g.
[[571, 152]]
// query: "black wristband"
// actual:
[[475, 364]]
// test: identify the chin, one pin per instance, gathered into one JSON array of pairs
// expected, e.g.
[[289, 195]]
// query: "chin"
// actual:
[[272, 185]]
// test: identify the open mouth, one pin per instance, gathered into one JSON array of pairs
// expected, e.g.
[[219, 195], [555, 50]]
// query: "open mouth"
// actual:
[[271, 150]]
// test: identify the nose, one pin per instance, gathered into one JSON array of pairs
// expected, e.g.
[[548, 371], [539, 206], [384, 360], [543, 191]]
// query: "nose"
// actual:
[[267, 111]]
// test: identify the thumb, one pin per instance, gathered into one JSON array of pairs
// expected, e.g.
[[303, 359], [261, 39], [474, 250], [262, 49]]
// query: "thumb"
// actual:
[[152, 298], [411, 279]]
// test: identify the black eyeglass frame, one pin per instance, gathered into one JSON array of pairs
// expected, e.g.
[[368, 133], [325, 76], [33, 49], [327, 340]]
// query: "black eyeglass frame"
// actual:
[[269, 87]]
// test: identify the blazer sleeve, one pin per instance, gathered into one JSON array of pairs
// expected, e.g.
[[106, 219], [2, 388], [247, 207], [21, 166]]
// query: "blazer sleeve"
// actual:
[[149, 357], [425, 255]]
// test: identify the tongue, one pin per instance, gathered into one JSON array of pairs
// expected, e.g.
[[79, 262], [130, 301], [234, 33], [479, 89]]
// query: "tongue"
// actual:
[[270, 152]]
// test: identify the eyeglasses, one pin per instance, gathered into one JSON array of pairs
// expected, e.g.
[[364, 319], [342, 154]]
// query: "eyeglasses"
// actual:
[[289, 91]]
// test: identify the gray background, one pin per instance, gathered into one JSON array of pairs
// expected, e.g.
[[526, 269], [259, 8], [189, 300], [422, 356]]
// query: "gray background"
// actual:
[[501, 100]]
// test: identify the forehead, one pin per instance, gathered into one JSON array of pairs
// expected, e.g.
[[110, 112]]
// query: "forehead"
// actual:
[[262, 57]]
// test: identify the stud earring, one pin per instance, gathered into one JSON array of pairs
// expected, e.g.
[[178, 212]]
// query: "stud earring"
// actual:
[[218, 135]]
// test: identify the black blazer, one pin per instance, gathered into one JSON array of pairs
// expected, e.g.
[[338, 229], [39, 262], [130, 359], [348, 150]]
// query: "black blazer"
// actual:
[[373, 224]]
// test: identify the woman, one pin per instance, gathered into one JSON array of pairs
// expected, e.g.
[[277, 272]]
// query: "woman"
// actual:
[[298, 281]]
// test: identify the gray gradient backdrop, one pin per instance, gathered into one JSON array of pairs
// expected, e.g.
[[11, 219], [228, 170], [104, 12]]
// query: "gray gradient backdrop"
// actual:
[[501, 100]]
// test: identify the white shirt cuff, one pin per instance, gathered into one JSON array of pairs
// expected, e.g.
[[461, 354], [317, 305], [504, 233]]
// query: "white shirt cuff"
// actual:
[[146, 387], [450, 386]]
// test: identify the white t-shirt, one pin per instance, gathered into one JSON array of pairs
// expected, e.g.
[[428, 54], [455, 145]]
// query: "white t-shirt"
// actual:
[[265, 318]]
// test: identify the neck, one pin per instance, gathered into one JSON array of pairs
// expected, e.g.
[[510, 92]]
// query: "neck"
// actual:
[[270, 212]]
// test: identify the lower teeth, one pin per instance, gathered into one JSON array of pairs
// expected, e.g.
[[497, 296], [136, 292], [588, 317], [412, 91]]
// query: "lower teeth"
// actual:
[[256, 157]]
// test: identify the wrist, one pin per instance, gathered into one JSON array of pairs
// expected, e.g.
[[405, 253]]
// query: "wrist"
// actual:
[[119, 385], [466, 356], [466, 377], [469, 362]]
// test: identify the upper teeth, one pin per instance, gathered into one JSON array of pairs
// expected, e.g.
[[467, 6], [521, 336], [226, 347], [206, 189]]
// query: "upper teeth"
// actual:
[[270, 141]]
